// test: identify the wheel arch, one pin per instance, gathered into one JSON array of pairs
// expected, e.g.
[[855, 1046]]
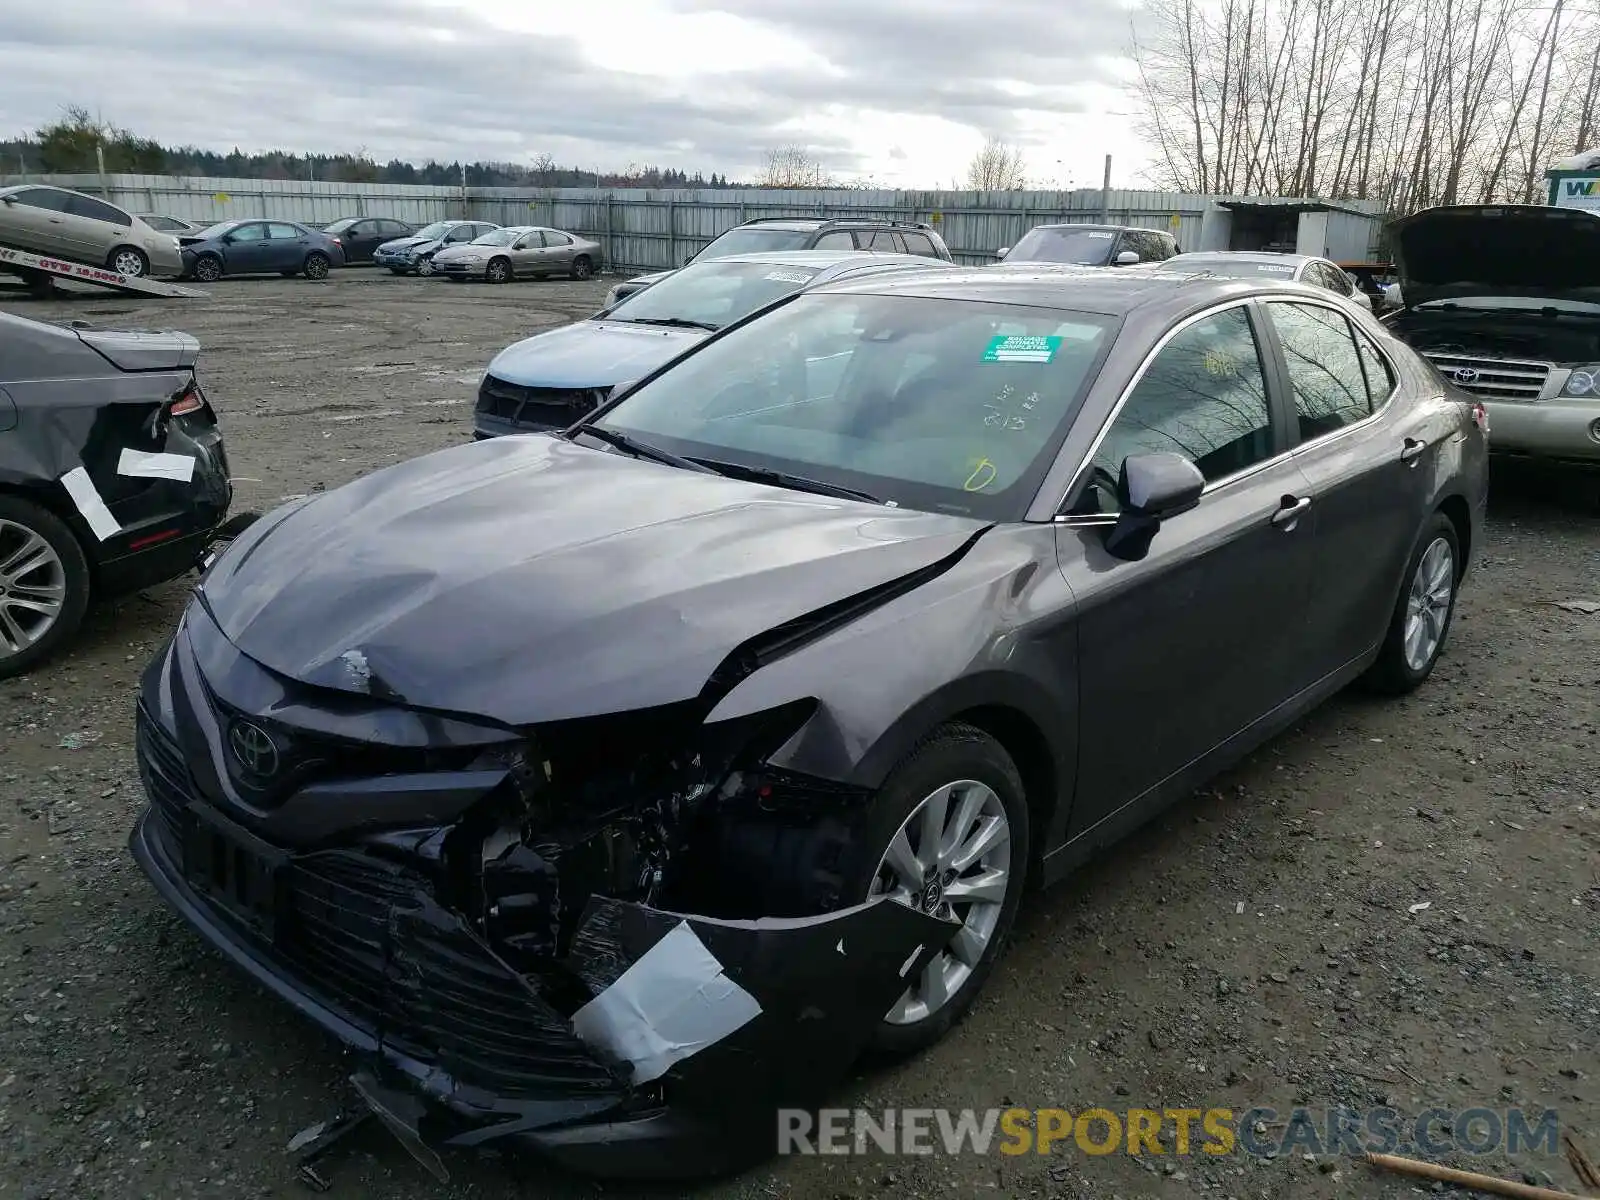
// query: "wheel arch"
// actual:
[[1458, 513]]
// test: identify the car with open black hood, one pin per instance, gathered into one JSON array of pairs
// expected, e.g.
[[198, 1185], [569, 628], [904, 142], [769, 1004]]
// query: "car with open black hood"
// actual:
[[1503, 299], [113, 475], [604, 791]]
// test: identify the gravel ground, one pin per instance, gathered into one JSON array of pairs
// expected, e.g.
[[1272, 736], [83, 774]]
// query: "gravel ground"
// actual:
[[1255, 947]]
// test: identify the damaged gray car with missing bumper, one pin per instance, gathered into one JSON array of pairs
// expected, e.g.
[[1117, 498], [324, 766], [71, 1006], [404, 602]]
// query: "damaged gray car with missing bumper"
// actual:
[[607, 829]]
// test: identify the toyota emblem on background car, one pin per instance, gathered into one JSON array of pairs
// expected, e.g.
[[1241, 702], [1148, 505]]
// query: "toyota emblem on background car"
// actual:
[[253, 748], [1463, 375]]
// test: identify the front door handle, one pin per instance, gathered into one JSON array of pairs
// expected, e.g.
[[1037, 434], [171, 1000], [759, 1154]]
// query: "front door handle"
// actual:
[[1412, 450], [1293, 509]]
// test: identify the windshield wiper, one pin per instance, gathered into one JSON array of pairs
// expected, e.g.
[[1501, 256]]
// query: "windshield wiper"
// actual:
[[675, 322], [799, 483], [638, 449]]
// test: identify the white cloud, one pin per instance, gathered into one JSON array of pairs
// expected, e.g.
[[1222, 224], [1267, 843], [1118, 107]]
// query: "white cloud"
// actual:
[[901, 91]]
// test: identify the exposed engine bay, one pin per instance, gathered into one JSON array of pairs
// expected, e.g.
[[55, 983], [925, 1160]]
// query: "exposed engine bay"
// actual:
[[1540, 335]]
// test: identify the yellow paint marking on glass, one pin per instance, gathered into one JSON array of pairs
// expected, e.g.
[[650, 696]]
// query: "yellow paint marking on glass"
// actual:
[[982, 476]]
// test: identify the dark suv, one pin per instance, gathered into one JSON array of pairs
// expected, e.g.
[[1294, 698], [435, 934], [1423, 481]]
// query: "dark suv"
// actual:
[[764, 234], [1091, 245]]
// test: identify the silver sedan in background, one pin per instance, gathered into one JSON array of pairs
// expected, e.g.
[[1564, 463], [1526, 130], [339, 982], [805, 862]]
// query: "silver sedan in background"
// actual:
[[520, 252]]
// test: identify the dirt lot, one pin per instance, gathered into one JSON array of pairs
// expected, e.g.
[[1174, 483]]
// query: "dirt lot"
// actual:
[[1254, 948]]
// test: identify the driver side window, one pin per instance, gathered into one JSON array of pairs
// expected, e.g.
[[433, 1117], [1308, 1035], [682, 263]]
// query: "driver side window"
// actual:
[[1203, 396]]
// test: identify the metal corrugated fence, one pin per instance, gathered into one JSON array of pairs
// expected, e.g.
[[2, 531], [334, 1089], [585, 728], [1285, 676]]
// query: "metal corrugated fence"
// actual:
[[653, 228]]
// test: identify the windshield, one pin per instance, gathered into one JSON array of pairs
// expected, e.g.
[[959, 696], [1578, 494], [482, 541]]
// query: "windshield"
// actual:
[[942, 405], [1229, 267], [433, 232], [1088, 247], [714, 293], [498, 237], [340, 226], [220, 227], [753, 239]]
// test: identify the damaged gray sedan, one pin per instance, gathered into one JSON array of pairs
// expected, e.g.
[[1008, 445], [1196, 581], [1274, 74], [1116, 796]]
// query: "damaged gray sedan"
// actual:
[[605, 791]]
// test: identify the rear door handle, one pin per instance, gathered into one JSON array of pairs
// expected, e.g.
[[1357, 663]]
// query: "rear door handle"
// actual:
[[1291, 512], [1412, 449]]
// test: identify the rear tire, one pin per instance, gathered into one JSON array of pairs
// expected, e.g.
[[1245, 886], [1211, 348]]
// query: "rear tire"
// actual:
[[984, 777], [129, 261], [317, 265], [41, 563], [582, 268], [288, 274], [398, 271], [498, 270], [1422, 612]]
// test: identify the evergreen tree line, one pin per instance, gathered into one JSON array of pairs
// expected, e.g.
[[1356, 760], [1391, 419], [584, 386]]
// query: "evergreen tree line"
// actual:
[[69, 147]]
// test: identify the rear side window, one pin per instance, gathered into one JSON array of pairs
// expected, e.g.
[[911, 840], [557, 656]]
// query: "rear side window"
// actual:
[[553, 238], [1380, 375], [282, 232], [95, 210], [837, 240], [920, 243], [1325, 368], [880, 240]]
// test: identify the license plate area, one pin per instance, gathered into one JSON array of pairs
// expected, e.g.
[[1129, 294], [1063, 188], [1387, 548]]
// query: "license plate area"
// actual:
[[234, 869]]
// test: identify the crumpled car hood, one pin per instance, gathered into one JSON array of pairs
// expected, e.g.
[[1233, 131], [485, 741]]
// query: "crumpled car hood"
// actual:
[[590, 354], [528, 579]]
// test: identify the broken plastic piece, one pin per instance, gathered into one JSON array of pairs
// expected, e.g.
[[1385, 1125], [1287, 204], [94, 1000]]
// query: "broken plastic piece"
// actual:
[[401, 1113], [673, 1002]]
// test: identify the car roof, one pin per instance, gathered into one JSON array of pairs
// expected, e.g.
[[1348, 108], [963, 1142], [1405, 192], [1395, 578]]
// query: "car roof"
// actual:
[[1111, 293], [811, 258], [1095, 225], [1261, 256]]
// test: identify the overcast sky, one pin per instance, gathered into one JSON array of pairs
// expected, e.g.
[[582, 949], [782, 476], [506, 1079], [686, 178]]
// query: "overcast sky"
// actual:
[[901, 91]]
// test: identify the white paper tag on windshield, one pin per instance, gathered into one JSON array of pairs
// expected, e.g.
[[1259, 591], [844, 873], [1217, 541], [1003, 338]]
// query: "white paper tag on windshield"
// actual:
[[787, 277], [1100, 233]]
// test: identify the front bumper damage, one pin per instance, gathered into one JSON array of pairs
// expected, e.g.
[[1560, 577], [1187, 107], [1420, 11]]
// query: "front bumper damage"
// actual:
[[653, 1043]]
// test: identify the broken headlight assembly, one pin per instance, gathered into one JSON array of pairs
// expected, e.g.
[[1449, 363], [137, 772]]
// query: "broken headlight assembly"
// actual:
[[652, 808]]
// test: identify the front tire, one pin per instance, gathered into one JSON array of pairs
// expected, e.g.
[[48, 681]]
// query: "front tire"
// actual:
[[207, 268], [498, 271], [949, 830], [398, 271], [129, 261], [1422, 613], [44, 585], [317, 265], [425, 267]]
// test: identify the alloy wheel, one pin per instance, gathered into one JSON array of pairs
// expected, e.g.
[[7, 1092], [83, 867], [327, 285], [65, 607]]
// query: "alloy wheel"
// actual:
[[952, 858], [208, 270], [33, 587], [1428, 603], [128, 262], [316, 267]]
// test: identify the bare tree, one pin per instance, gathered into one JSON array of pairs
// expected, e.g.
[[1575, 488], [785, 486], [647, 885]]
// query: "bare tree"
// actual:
[[792, 167], [997, 167], [1409, 102]]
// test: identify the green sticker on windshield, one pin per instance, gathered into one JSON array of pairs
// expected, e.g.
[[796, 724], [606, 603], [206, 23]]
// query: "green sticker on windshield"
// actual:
[[1017, 348]]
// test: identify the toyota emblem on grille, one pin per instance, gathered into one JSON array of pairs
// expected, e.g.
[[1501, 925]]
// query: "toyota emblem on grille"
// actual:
[[253, 749], [1463, 375]]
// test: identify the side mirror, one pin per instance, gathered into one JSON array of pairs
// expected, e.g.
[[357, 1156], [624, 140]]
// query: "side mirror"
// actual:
[[688, 258], [621, 389], [9, 200], [1002, 252], [1151, 489], [1127, 258]]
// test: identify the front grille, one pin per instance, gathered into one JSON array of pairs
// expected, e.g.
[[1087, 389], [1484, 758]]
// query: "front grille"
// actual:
[[536, 407], [1496, 378], [365, 938], [165, 776]]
